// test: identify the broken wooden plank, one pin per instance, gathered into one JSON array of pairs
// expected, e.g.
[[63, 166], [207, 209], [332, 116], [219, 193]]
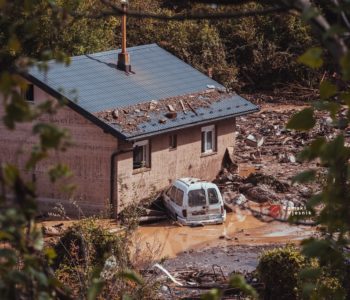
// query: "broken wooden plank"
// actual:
[[183, 107], [190, 106], [171, 108]]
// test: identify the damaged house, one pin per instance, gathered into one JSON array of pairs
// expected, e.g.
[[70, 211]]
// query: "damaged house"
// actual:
[[135, 127]]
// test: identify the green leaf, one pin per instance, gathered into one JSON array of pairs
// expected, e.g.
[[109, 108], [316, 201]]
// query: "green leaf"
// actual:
[[95, 288], [312, 58], [309, 13], [305, 176], [302, 120], [334, 30], [310, 273], [213, 294], [38, 240], [59, 171], [327, 90], [10, 173], [313, 151], [345, 65], [50, 254], [315, 200], [238, 281]]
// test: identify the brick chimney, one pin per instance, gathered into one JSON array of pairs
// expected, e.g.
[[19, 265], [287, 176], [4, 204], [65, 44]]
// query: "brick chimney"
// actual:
[[123, 57]]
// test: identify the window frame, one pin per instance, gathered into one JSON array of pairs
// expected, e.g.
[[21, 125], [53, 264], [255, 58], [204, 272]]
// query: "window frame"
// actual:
[[28, 93], [145, 144], [216, 196], [179, 193], [204, 139], [191, 201]]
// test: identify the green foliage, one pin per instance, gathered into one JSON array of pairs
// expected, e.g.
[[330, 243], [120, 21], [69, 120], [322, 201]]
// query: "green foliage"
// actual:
[[92, 245], [312, 58], [278, 270], [302, 120], [238, 281]]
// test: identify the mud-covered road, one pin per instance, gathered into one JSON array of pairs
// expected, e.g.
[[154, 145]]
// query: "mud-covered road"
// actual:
[[234, 245]]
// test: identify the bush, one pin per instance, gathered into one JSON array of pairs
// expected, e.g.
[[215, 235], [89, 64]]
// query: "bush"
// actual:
[[279, 270], [287, 274], [86, 242]]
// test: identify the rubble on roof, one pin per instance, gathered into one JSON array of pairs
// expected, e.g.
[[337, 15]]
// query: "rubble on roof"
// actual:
[[128, 118]]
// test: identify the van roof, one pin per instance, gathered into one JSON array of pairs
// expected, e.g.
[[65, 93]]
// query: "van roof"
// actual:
[[189, 180]]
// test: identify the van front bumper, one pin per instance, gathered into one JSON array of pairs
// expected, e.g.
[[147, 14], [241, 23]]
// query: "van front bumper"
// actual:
[[206, 221]]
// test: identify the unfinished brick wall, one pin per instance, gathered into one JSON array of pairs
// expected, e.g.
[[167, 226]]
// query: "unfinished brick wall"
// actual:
[[88, 158], [168, 164]]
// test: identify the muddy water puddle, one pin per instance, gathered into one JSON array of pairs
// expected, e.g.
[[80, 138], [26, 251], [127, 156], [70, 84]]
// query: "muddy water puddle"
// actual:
[[240, 228]]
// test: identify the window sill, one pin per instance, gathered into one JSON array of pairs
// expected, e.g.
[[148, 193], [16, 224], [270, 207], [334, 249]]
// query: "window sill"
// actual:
[[140, 170], [205, 154]]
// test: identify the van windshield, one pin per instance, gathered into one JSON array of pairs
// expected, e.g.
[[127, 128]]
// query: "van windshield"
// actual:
[[197, 198]]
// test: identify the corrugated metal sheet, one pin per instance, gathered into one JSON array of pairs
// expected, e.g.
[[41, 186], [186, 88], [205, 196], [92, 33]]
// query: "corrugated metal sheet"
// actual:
[[95, 84]]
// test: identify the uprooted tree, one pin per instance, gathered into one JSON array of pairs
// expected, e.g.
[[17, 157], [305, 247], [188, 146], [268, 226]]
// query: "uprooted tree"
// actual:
[[24, 270]]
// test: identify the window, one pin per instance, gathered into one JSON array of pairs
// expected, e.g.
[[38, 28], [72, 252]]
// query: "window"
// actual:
[[197, 198], [213, 196], [173, 141], [208, 139], [29, 93], [141, 155], [172, 193], [179, 197]]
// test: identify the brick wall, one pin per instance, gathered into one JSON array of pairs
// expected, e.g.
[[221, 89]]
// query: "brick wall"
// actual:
[[167, 164], [88, 159]]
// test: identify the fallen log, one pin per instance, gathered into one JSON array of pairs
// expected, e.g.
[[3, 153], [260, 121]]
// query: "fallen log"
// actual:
[[151, 219]]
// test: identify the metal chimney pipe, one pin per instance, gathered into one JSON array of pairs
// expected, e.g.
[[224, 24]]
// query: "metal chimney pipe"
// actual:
[[123, 56], [124, 7]]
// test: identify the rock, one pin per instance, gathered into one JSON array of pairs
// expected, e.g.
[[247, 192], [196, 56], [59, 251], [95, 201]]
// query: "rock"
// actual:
[[305, 192], [254, 141], [153, 104], [261, 194], [245, 187], [240, 199], [115, 114], [292, 158], [210, 86], [51, 231]]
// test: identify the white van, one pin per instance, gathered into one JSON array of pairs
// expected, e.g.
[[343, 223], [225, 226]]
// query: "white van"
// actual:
[[192, 201]]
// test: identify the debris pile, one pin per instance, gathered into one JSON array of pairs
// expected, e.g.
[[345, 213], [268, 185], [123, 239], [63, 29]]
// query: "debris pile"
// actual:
[[266, 159], [128, 118]]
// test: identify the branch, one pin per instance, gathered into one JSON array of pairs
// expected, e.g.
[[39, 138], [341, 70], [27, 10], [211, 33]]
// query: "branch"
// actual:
[[117, 10], [224, 2]]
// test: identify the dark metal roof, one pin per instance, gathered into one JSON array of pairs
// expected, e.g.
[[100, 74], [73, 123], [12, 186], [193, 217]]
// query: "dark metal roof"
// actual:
[[93, 83]]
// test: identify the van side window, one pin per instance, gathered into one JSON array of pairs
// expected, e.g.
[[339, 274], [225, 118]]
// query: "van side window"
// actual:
[[179, 197], [172, 193], [196, 198], [213, 196]]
